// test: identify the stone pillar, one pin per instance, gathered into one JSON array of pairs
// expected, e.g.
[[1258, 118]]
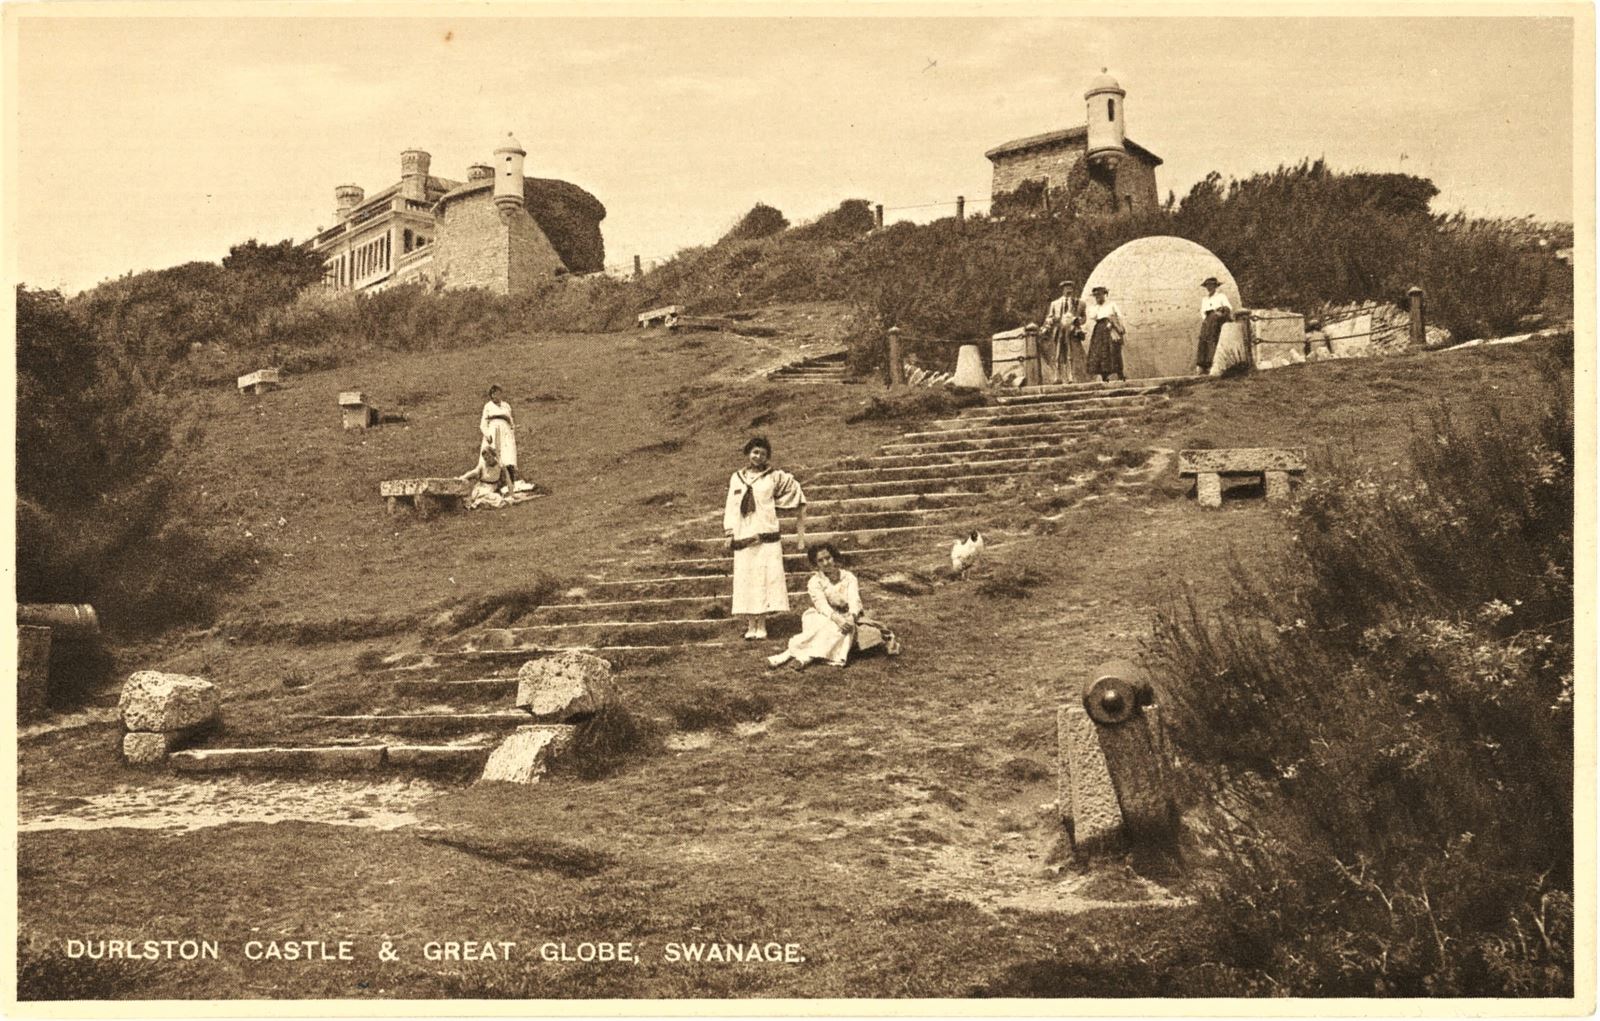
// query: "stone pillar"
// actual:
[[1030, 354], [1276, 485], [1419, 328], [33, 671], [1087, 799], [969, 367], [897, 371], [1209, 487]]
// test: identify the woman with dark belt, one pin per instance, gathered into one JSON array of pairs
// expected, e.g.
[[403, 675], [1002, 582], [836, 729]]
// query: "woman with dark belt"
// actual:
[[750, 521], [500, 436], [1105, 337]]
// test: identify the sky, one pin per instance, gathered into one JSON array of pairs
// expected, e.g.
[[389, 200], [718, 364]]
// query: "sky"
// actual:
[[144, 142]]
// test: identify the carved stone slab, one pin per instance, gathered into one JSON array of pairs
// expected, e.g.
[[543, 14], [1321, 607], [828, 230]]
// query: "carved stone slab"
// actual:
[[352, 397], [259, 381], [1241, 461], [431, 487], [1087, 799]]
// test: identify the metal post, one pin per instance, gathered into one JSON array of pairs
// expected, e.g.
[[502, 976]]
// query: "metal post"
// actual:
[[1419, 329], [638, 268], [896, 369], [1030, 354], [877, 216]]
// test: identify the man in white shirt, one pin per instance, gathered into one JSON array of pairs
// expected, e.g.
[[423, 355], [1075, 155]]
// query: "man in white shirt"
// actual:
[[1215, 309]]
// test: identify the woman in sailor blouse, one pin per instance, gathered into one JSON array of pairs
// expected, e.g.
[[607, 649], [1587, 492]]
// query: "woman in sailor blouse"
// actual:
[[750, 521]]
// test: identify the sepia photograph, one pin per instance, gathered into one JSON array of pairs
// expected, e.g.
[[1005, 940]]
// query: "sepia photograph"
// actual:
[[528, 507]]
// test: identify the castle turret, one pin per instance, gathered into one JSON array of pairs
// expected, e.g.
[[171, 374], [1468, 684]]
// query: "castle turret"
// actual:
[[480, 172], [346, 197], [1106, 124], [508, 174], [414, 175]]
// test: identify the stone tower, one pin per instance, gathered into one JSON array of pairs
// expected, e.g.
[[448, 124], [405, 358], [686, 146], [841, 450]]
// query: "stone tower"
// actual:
[[508, 175], [1106, 122], [414, 175], [346, 197]]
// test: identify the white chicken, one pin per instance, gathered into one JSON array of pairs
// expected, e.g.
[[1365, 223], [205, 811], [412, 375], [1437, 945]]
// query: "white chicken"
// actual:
[[965, 554]]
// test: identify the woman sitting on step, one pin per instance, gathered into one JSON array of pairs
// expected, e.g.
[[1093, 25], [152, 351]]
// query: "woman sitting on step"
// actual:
[[835, 623]]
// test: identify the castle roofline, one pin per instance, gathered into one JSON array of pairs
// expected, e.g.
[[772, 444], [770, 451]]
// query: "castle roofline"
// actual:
[[462, 191], [1074, 134]]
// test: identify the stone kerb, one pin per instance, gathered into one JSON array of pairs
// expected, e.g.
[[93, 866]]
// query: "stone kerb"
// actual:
[[571, 684], [160, 710]]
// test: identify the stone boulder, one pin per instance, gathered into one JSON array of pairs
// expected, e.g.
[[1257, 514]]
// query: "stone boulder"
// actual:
[[141, 748], [155, 702], [564, 686], [526, 754]]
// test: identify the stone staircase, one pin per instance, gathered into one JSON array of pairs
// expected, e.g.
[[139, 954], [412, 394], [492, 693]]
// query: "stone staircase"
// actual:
[[445, 709], [828, 368]]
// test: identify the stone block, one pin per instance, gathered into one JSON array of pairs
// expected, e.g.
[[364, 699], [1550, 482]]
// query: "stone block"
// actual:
[[1276, 485], [1135, 760], [260, 381], [33, 671], [1241, 460], [158, 702], [563, 686], [969, 367], [1208, 487], [526, 755], [1088, 800], [145, 749]]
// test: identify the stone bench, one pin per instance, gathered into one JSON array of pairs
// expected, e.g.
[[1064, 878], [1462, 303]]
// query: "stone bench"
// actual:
[[260, 382], [426, 496], [664, 314], [1273, 465], [357, 411]]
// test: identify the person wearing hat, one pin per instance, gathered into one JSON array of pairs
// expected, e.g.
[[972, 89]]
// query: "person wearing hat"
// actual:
[[1064, 336], [1104, 321], [1215, 309]]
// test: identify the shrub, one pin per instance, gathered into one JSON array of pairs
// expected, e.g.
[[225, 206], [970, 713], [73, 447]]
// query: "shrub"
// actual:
[[1390, 713], [850, 220], [761, 221]]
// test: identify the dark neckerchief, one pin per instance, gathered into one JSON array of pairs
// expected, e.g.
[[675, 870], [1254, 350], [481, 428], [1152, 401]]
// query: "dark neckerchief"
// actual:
[[747, 503]]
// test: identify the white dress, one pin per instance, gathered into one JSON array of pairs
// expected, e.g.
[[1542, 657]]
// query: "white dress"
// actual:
[[819, 637], [499, 431], [758, 582]]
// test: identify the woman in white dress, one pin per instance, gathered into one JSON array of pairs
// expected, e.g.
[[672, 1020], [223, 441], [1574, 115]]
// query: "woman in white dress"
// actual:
[[750, 522], [491, 485], [500, 435], [835, 624]]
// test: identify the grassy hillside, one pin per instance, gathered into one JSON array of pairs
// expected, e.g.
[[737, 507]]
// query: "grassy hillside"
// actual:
[[892, 819]]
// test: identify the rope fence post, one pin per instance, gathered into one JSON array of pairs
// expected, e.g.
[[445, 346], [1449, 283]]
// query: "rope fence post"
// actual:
[[1030, 354], [961, 209], [877, 216], [896, 369], [638, 268], [1419, 329]]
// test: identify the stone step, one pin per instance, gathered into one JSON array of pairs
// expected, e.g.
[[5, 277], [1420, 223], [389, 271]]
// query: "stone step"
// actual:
[[1043, 413], [481, 651], [1093, 422], [1046, 438], [846, 540], [903, 501], [708, 607], [633, 632], [354, 759], [412, 724], [1080, 398], [935, 467], [856, 521], [1012, 451], [722, 566], [473, 689], [968, 483], [675, 586], [1000, 432], [1095, 386]]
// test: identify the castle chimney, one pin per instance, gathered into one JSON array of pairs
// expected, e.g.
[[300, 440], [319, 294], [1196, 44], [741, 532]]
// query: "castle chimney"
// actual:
[[508, 174], [414, 175], [480, 172], [346, 197]]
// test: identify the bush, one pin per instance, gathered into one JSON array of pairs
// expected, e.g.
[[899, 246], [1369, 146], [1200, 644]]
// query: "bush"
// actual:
[[762, 221], [1390, 713]]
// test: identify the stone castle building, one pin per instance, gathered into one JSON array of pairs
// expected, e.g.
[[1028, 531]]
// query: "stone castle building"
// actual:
[[497, 230], [1095, 162]]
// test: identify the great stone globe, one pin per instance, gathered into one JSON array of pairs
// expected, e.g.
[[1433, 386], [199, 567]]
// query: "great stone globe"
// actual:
[[1155, 282]]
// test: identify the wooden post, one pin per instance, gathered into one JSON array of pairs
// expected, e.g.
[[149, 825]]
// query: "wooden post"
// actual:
[[1247, 333], [1047, 198], [1030, 355], [1419, 329], [877, 216], [897, 374], [961, 209], [638, 268]]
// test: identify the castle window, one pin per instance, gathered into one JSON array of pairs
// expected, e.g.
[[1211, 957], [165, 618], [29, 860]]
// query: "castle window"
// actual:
[[407, 242], [1111, 109]]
